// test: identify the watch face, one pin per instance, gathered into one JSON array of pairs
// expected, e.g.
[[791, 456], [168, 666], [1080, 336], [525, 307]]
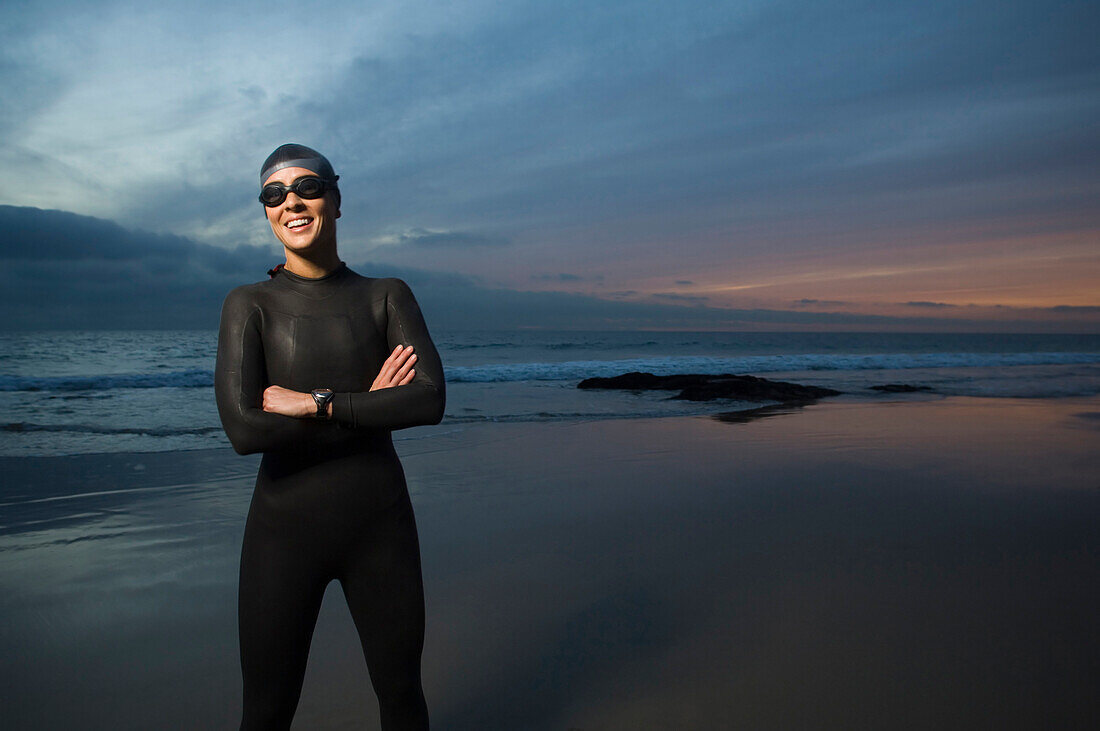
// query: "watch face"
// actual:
[[322, 396]]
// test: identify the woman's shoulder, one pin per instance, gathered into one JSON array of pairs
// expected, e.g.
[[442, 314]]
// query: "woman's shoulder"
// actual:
[[246, 295], [382, 286]]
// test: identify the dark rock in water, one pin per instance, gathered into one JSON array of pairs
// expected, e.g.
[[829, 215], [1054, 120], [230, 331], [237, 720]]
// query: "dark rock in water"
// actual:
[[636, 381], [703, 387], [750, 388], [900, 388]]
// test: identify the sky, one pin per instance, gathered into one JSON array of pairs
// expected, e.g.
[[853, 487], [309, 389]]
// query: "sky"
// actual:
[[667, 165]]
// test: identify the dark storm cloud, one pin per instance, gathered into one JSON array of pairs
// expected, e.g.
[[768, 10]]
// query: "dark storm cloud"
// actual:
[[59, 270], [62, 271], [32, 233]]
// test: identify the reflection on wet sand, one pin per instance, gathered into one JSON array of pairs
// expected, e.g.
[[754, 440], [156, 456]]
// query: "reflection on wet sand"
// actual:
[[744, 417]]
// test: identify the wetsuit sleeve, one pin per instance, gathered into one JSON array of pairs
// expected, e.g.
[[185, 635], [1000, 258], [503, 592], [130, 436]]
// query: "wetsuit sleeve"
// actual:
[[239, 383], [419, 402]]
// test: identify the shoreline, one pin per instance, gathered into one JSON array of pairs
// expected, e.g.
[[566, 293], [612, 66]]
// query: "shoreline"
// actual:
[[714, 409]]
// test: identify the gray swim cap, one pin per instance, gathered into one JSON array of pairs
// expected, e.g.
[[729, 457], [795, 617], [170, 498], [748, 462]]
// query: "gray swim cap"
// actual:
[[297, 156]]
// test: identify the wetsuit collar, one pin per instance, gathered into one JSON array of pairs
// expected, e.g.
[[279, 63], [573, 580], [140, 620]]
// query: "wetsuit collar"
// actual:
[[340, 269], [311, 285]]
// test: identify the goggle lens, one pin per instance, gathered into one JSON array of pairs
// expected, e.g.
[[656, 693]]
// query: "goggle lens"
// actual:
[[275, 193]]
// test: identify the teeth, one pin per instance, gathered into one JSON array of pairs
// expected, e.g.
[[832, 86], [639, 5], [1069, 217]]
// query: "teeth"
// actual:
[[297, 222]]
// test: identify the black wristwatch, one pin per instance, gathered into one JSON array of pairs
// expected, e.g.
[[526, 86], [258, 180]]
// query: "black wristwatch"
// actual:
[[322, 396]]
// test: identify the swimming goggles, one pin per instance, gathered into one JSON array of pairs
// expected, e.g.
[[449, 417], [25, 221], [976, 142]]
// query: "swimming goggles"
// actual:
[[309, 187]]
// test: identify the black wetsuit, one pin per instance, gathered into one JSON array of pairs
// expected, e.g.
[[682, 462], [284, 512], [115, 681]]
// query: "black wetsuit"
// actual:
[[330, 500]]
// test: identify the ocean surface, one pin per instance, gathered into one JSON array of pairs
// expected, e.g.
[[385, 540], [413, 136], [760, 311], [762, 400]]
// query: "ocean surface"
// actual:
[[146, 391]]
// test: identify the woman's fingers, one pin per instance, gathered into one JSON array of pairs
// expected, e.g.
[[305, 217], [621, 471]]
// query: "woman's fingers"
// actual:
[[404, 369], [393, 363], [399, 364], [397, 368], [272, 396]]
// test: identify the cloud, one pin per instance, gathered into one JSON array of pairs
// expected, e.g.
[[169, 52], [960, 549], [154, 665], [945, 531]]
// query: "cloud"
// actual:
[[568, 132], [63, 271], [1076, 309], [254, 94], [450, 239], [677, 297], [643, 141], [931, 305]]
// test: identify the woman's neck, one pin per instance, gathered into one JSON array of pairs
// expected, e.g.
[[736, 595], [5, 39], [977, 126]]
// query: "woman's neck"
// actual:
[[312, 267]]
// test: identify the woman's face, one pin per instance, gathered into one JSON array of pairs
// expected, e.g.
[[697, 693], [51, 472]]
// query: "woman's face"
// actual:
[[302, 224]]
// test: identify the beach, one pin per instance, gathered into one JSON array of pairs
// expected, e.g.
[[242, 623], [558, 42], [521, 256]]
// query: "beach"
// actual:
[[909, 563]]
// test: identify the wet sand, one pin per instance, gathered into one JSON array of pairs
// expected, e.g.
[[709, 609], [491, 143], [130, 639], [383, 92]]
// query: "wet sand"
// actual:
[[910, 564]]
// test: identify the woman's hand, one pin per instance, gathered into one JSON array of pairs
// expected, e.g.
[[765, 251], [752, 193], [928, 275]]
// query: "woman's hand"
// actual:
[[279, 400], [397, 370]]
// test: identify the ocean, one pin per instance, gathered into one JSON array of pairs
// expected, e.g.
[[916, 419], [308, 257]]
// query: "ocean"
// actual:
[[149, 391]]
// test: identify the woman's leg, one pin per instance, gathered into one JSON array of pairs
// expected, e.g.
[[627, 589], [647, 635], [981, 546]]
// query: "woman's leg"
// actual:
[[385, 593], [280, 594]]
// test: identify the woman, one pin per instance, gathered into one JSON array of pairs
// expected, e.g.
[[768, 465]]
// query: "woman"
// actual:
[[315, 368]]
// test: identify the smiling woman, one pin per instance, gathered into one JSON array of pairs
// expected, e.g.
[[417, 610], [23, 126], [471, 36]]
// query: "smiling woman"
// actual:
[[303, 216], [315, 369]]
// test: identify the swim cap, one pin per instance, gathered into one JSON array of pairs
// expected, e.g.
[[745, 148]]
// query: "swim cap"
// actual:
[[297, 156]]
